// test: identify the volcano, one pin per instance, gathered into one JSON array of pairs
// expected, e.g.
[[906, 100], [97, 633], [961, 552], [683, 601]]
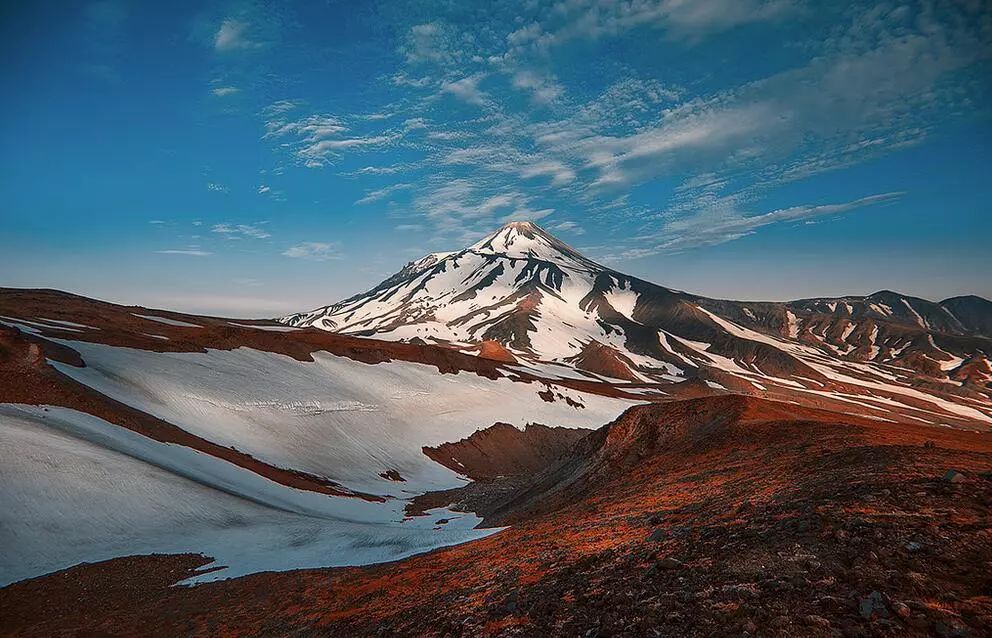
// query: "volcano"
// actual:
[[546, 303]]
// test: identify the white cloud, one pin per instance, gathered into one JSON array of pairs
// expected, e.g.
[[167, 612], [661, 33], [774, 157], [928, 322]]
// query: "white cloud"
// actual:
[[683, 19], [317, 154], [384, 170], [382, 193], [878, 82], [232, 35], [310, 128], [543, 89], [527, 215], [466, 89], [280, 107], [567, 227], [313, 251], [464, 209], [431, 42], [216, 188], [191, 252], [558, 171], [318, 137], [719, 225], [263, 189], [238, 231], [223, 91]]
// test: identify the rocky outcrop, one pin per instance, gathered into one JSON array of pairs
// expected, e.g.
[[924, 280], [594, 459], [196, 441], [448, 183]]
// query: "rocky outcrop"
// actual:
[[502, 450]]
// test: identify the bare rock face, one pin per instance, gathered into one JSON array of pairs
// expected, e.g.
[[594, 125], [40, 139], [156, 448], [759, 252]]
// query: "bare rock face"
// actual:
[[502, 450], [604, 360], [975, 370], [495, 351]]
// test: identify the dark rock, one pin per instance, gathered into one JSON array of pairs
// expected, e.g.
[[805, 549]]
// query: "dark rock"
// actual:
[[818, 621], [873, 606], [668, 563], [657, 536], [949, 629], [953, 476]]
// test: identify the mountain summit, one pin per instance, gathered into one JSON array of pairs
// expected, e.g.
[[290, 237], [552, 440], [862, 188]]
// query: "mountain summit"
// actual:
[[527, 240], [519, 286]]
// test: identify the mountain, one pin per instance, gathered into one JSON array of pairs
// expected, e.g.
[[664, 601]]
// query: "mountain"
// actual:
[[972, 313], [545, 302]]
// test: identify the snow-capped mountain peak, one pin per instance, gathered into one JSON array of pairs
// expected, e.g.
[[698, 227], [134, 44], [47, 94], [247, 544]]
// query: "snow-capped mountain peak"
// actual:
[[527, 240], [543, 301]]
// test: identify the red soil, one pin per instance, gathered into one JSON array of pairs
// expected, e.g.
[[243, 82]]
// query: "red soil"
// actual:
[[602, 359], [503, 450], [495, 351], [715, 516]]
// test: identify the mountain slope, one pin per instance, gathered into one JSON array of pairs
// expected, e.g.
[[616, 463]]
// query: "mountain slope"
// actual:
[[716, 516], [265, 447], [545, 302], [971, 312]]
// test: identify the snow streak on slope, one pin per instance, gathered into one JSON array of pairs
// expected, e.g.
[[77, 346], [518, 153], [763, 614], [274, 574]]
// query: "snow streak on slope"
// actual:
[[869, 377]]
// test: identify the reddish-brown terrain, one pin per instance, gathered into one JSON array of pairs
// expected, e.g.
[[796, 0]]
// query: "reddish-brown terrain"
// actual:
[[721, 515], [503, 450], [709, 514]]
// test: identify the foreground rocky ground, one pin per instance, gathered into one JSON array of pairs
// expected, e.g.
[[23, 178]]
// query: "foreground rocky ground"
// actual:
[[716, 516]]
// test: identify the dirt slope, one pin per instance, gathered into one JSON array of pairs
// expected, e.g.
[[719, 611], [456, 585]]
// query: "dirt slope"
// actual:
[[714, 516]]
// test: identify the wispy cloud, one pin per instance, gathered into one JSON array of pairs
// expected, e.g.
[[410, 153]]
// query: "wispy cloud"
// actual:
[[543, 89], [317, 137], [875, 84], [224, 91], [233, 35], [466, 89], [431, 42], [190, 252], [680, 19], [382, 193], [313, 251], [567, 227], [559, 172], [239, 231], [719, 226]]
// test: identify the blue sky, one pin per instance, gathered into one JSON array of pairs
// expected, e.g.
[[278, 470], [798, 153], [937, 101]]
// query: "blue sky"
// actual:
[[258, 158]]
